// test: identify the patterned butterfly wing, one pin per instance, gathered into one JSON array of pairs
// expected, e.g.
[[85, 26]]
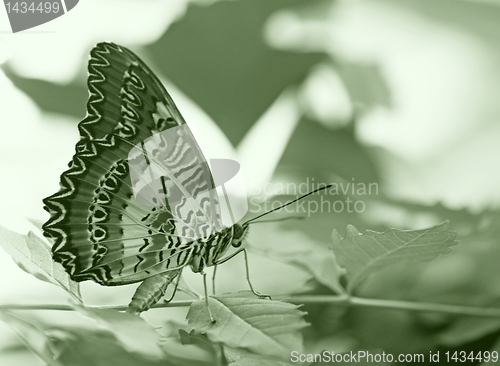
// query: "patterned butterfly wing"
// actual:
[[101, 230]]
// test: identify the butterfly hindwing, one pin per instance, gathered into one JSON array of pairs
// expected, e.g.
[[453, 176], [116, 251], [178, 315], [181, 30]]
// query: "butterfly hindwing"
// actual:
[[100, 228]]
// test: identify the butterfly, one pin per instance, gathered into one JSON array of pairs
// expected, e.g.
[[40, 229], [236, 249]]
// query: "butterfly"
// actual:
[[102, 230]]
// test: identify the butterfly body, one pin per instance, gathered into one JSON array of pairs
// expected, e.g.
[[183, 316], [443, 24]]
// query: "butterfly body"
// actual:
[[207, 251], [138, 201]]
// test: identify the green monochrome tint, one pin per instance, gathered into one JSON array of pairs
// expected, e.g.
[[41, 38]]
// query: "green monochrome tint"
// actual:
[[389, 108]]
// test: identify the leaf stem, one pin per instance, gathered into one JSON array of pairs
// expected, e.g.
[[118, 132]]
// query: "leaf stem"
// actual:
[[342, 300]]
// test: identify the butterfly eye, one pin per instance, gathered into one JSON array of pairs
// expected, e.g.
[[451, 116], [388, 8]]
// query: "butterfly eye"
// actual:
[[236, 243]]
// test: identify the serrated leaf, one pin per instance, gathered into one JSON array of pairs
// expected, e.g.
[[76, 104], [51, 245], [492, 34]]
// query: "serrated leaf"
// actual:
[[33, 337], [134, 333], [363, 254], [243, 321], [33, 255]]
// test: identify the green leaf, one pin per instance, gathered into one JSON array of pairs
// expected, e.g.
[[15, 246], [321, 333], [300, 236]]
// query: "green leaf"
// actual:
[[299, 250], [215, 350], [191, 354], [321, 264], [190, 348], [262, 326], [32, 336], [85, 347], [33, 255], [76, 346], [134, 333], [239, 357], [363, 254]]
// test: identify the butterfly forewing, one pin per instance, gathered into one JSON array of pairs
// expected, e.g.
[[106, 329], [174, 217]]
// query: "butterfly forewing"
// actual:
[[166, 162], [102, 230]]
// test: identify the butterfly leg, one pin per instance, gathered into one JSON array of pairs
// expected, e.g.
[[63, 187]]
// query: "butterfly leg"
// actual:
[[175, 288], [248, 278], [206, 296], [223, 260], [213, 280]]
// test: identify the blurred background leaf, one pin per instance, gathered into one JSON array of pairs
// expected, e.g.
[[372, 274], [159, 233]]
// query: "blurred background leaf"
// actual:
[[135, 334], [32, 336]]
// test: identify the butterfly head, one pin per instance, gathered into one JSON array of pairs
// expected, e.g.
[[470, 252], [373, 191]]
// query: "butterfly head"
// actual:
[[239, 233]]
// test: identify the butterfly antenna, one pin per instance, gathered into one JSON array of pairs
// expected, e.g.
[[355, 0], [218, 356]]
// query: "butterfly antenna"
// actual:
[[289, 203]]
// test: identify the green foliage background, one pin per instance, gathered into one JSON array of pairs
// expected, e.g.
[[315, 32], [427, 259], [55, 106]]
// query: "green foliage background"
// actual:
[[230, 62]]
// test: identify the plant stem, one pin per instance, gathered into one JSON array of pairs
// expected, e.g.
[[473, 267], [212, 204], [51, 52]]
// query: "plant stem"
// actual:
[[64, 307], [313, 299], [399, 305]]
